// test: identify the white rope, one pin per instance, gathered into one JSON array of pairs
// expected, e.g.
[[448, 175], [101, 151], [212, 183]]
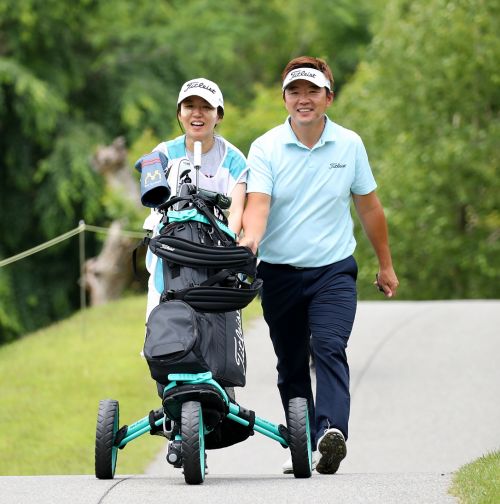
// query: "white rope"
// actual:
[[58, 239], [128, 234]]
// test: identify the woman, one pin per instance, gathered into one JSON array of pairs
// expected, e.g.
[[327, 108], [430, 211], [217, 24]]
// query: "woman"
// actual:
[[200, 108]]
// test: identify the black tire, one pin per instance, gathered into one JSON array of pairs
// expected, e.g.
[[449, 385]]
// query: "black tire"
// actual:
[[193, 443], [105, 451], [299, 437]]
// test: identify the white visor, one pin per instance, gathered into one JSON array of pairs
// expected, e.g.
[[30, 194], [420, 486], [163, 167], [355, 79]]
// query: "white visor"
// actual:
[[203, 88], [309, 74]]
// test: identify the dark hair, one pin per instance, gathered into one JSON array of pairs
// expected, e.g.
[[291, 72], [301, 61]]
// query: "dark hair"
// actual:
[[309, 62]]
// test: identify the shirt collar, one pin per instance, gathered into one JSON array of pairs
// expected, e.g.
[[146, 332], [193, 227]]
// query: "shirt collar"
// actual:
[[328, 134]]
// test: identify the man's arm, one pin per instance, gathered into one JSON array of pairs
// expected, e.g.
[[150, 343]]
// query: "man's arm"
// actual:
[[371, 215], [255, 219], [236, 208]]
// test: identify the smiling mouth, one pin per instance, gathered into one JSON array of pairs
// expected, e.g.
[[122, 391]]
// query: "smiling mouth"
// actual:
[[302, 110], [197, 123]]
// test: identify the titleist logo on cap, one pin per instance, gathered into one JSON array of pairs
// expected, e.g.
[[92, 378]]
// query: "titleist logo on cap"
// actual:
[[191, 85], [302, 73], [313, 75]]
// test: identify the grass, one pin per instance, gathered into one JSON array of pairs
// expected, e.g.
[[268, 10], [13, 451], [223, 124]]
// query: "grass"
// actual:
[[479, 481], [52, 381]]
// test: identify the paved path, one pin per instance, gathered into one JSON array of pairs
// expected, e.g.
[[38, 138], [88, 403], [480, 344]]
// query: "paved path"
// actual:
[[220, 489], [425, 383], [424, 379]]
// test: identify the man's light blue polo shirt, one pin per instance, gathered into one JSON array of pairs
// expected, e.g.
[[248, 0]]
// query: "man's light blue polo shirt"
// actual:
[[310, 221]]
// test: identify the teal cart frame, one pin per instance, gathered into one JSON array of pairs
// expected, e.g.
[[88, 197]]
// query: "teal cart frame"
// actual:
[[189, 446]]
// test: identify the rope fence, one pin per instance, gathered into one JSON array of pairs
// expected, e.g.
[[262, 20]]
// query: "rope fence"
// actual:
[[82, 227], [80, 230]]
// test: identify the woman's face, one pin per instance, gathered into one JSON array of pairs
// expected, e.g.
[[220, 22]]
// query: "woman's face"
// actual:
[[198, 118]]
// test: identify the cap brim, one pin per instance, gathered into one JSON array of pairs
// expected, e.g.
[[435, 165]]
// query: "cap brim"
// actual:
[[308, 74], [208, 97]]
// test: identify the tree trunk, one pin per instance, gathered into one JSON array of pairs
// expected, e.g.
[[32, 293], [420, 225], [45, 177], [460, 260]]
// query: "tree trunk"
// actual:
[[110, 272], [106, 275]]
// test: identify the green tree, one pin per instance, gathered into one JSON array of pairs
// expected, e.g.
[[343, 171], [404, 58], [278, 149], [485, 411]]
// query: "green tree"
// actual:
[[240, 44], [427, 103], [336, 31], [243, 126], [73, 77], [58, 102]]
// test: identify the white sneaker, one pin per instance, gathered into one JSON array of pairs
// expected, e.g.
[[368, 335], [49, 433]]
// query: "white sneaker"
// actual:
[[332, 450], [288, 467]]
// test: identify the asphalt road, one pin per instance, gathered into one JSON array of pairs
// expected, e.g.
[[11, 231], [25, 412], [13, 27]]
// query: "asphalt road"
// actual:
[[425, 382]]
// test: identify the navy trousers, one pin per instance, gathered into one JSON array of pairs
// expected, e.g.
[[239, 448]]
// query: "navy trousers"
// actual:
[[312, 309]]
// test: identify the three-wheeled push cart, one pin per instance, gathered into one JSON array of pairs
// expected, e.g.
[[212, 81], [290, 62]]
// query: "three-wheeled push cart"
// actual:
[[194, 341], [196, 407]]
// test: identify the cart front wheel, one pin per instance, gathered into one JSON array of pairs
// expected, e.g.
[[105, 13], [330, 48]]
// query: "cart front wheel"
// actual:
[[299, 437], [107, 427], [193, 443]]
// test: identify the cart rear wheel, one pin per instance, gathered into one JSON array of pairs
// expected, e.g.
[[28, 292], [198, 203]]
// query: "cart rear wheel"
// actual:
[[299, 437], [193, 443], [107, 427]]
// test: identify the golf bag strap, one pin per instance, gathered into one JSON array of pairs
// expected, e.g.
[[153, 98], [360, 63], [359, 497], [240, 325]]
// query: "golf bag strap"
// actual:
[[217, 278], [186, 253], [215, 299], [203, 208], [174, 268], [143, 243], [172, 201], [175, 271]]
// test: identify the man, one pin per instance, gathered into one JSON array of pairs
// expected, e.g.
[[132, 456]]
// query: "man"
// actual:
[[302, 177]]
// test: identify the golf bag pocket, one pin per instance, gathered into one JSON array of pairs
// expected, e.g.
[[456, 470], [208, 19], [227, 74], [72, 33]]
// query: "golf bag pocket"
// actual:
[[182, 340], [174, 340]]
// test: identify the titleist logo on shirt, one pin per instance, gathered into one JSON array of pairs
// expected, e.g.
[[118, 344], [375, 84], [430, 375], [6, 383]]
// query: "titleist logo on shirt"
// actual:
[[191, 85], [337, 165]]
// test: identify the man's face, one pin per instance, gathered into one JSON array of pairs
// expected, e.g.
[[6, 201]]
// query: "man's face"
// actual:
[[305, 102]]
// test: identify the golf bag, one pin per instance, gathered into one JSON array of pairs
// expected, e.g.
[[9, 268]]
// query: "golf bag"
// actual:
[[207, 280]]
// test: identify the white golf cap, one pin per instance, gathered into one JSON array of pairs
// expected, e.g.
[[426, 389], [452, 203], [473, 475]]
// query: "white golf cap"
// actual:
[[317, 77], [203, 88]]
